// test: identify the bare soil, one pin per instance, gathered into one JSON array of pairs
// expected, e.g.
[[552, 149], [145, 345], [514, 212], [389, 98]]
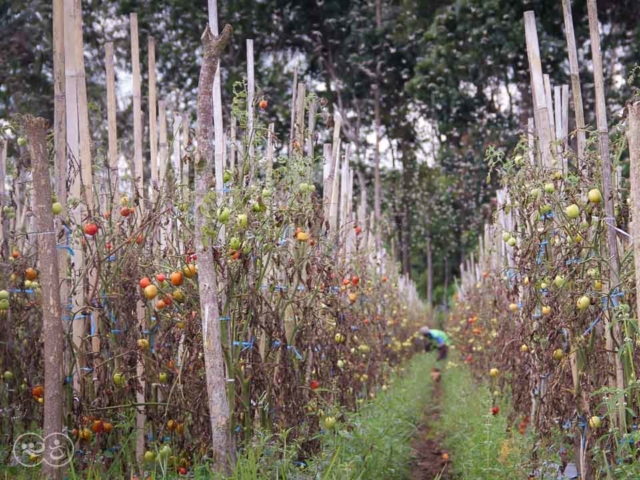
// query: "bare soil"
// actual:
[[430, 459]]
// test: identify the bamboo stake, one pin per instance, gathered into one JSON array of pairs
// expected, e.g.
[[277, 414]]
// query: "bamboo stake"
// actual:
[[327, 179], [333, 176], [111, 120], [294, 90], [4, 199], [138, 174], [184, 169], [537, 85], [531, 141], [312, 126], [251, 92], [153, 117], [300, 105], [574, 71], [548, 92], [218, 124], [612, 337], [138, 188], [163, 155], [73, 144], [60, 160], [163, 152], [233, 140], [633, 135]]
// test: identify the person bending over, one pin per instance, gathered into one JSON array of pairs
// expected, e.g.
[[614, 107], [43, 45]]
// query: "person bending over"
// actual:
[[436, 339]]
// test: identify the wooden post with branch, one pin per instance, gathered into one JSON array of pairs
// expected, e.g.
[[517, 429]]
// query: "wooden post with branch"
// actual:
[[52, 329], [207, 282]]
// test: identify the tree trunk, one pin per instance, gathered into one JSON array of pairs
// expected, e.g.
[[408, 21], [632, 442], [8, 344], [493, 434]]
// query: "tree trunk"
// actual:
[[224, 456], [36, 130]]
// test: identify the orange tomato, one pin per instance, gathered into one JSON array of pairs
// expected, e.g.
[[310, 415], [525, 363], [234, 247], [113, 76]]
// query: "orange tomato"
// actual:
[[30, 274], [176, 279]]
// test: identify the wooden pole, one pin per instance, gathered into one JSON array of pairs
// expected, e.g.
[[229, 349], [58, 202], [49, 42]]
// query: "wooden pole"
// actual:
[[138, 173], [138, 188], [537, 83], [613, 336], [576, 91], [73, 145], [301, 98], [153, 117], [52, 330], [312, 126], [60, 159], [184, 169], [633, 135], [111, 120], [251, 93], [223, 453], [163, 152], [4, 199], [218, 124]]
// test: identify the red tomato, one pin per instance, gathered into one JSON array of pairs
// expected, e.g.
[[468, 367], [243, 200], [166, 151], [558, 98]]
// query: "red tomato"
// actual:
[[314, 384], [161, 277], [90, 229], [145, 282]]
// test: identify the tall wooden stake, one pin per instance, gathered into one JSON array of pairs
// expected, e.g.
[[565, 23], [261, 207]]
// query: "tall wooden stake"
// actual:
[[138, 173], [153, 117], [53, 333], [613, 335], [224, 454], [112, 122], [576, 90]]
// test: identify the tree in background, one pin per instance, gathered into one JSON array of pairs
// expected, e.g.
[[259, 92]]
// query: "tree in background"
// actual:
[[459, 65]]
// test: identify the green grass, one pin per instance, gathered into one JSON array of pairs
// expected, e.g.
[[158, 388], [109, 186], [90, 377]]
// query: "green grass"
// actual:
[[378, 443], [480, 445], [373, 443]]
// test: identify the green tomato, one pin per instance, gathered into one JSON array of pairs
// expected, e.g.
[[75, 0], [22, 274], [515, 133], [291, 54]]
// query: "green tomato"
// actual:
[[165, 451], [235, 243], [573, 211], [227, 176], [149, 456], [22, 141], [243, 220], [549, 188], [223, 215], [4, 295], [8, 376], [163, 377], [118, 379], [56, 208], [594, 195], [583, 303]]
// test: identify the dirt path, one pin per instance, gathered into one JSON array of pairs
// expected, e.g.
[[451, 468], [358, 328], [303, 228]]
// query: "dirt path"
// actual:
[[430, 459]]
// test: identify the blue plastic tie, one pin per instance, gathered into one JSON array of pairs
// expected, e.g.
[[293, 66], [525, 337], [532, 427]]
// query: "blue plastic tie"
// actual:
[[593, 324], [224, 319], [295, 351]]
